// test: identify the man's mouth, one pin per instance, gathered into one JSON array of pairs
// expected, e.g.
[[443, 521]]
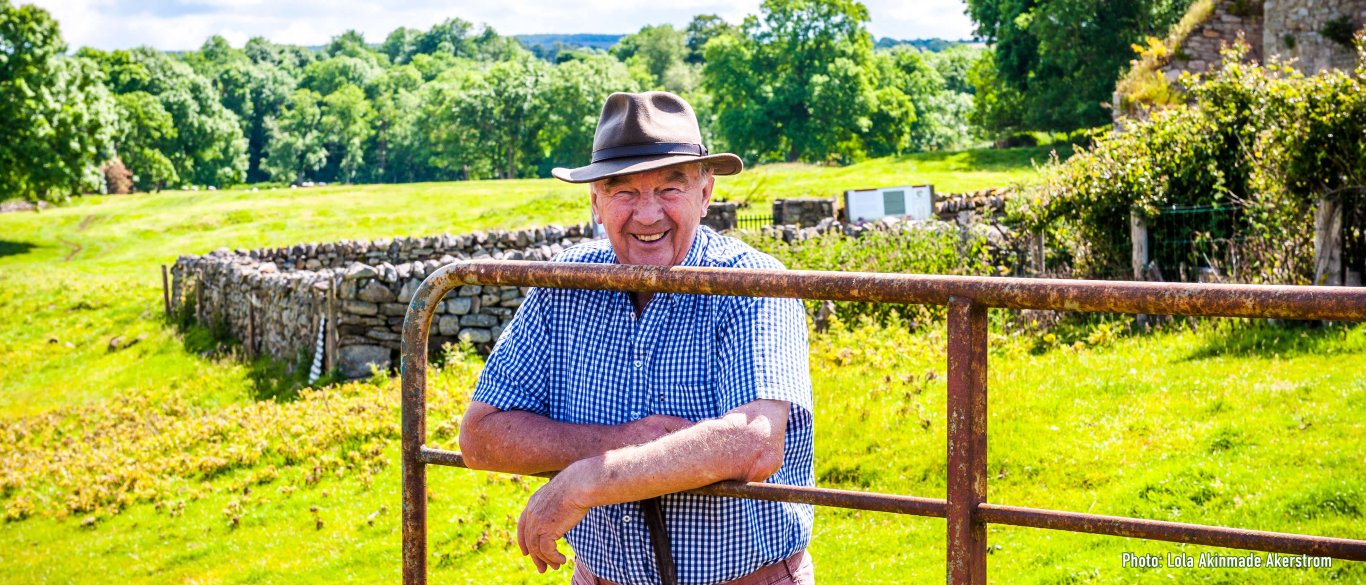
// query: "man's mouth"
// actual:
[[649, 237]]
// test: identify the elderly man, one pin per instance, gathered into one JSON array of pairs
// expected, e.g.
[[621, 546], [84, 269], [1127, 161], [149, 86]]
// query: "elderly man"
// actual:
[[633, 396]]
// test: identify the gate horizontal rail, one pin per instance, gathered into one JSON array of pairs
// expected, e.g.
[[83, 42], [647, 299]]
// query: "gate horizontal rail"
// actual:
[[968, 298]]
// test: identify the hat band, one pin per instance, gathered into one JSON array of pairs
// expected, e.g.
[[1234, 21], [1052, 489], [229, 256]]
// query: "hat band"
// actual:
[[649, 150]]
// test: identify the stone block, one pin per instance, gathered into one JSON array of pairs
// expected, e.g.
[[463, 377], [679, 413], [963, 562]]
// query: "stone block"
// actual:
[[360, 308], [406, 293], [458, 305], [469, 290], [375, 292], [355, 361], [392, 309], [473, 335], [448, 325], [357, 270], [478, 320], [383, 335]]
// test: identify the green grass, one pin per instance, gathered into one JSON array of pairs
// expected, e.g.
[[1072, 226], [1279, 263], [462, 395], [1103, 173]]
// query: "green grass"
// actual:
[[1250, 427], [1255, 427]]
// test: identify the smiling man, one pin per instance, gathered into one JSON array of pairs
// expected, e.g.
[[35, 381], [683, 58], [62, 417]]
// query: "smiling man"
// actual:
[[635, 397]]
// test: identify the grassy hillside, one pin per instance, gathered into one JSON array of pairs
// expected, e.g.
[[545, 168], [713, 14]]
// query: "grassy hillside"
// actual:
[[87, 272], [163, 462]]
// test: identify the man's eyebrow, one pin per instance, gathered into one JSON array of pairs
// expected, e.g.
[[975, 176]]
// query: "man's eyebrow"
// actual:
[[676, 175], [613, 181]]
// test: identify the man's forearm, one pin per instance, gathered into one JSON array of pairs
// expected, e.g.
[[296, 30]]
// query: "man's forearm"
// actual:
[[522, 442], [740, 446]]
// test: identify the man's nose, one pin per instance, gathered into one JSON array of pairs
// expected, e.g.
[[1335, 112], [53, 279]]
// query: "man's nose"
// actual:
[[649, 210]]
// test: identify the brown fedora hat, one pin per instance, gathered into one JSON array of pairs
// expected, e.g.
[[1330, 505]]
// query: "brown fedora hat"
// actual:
[[645, 131]]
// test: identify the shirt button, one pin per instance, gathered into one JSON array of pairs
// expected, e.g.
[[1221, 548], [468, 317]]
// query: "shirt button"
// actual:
[[638, 363], [626, 519]]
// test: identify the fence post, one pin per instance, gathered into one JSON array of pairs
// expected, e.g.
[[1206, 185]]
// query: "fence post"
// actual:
[[1328, 242], [1138, 236], [166, 291], [967, 434]]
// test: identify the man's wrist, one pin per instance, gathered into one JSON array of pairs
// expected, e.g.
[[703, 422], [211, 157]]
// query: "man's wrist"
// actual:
[[580, 484]]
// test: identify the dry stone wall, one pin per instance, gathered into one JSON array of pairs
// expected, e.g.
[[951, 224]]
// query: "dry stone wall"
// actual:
[[1229, 21], [276, 300], [1295, 30]]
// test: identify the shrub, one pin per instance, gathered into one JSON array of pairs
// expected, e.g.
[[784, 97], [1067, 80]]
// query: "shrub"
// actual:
[[118, 180], [1266, 137], [921, 247]]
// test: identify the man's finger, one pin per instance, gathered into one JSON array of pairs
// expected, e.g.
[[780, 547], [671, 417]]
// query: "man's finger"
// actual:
[[521, 533], [549, 553], [556, 556]]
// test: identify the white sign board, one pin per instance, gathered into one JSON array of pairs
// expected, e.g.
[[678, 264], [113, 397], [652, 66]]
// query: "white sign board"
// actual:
[[914, 202]]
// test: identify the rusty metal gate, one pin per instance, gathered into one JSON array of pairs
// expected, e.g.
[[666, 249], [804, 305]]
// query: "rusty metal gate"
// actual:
[[968, 298]]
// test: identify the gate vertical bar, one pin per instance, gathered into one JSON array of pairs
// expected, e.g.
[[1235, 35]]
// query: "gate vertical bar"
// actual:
[[416, 327], [967, 438]]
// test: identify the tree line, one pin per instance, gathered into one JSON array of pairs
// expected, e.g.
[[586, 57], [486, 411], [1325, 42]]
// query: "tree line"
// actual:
[[802, 80]]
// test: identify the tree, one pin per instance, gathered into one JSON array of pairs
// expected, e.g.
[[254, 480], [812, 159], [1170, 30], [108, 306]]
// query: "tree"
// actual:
[[207, 146], [346, 125], [574, 96], [796, 83], [255, 91], [658, 53], [144, 126], [334, 73], [703, 28], [400, 45], [56, 117], [1063, 57], [504, 108], [296, 141], [394, 144]]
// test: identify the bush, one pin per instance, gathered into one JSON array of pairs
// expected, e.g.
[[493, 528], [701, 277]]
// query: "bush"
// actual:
[[920, 247], [1265, 137]]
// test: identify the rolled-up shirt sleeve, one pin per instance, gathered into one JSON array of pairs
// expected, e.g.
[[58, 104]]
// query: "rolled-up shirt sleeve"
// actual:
[[764, 354], [514, 377]]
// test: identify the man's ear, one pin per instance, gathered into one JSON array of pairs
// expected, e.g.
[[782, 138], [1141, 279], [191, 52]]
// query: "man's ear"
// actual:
[[706, 193], [593, 204]]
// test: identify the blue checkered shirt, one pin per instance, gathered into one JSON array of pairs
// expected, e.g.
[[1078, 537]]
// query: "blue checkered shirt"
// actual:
[[582, 356]]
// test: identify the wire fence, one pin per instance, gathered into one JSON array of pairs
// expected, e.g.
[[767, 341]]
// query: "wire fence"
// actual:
[[1196, 243]]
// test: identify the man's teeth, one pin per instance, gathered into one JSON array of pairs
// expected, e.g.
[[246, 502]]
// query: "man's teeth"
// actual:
[[649, 238]]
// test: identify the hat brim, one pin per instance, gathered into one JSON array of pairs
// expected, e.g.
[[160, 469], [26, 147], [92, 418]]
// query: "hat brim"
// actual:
[[723, 163]]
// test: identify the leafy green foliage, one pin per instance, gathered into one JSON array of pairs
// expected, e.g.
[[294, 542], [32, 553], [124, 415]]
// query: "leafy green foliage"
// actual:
[[795, 84], [204, 144], [56, 116], [1056, 61], [914, 248], [1269, 138], [798, 82]]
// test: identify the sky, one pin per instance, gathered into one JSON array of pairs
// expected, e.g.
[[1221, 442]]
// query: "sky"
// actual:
[[185, 24]]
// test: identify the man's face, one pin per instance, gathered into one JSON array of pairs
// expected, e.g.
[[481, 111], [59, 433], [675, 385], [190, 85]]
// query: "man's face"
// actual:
[[651, 217]]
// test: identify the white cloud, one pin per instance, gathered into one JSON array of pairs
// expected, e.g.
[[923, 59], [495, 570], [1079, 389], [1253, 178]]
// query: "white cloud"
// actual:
[[186, 24]]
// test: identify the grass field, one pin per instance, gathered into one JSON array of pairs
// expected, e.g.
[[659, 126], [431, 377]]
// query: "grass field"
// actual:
[[159, 464]]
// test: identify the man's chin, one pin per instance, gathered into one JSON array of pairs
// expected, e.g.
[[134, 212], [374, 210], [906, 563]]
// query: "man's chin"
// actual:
[[649, 257]]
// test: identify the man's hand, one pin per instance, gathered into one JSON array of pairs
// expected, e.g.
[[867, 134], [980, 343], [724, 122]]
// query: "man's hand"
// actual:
[[657, 425], [745, 444], [550, 513]]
